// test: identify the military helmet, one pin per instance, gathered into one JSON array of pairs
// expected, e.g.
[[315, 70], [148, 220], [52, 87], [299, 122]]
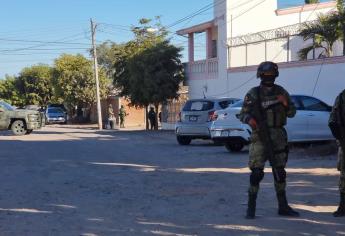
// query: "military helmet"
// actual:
[[267, 69]]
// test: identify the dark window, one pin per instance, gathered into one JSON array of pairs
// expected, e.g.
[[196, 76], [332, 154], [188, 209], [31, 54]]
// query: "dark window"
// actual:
[[214, 49], [55, 110], [313, 104], [198, 106], [297, 103], [224, 104]]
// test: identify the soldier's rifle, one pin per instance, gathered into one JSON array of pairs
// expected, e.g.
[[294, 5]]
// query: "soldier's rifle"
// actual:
[[263, 130]]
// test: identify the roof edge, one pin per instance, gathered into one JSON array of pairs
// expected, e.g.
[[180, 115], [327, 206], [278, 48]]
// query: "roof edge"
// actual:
[[196, 28], [306, 7]]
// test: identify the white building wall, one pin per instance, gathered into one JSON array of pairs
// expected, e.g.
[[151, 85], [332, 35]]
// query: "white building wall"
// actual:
[[260, 15], [296, 80], [205, 86], [234, 18]]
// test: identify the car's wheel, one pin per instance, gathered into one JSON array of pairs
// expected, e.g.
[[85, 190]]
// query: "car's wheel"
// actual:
[[29, 131], [184, 140], [18, 127], [234, 146]]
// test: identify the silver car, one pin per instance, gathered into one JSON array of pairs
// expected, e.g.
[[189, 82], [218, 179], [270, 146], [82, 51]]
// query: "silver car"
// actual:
[[309, 124], [55, 115], [196, 118]]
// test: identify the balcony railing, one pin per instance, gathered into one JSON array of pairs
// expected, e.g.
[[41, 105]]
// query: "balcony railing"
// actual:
[[203, 70]]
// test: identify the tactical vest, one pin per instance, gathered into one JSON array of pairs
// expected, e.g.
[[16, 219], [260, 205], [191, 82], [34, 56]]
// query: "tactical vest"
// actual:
[[275, 111]]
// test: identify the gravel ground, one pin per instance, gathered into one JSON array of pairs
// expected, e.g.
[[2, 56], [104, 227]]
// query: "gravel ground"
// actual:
[[80, 181]]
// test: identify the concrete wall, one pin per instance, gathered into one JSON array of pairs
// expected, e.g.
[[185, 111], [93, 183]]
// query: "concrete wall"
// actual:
[[135, 118], [260, 15], [240, 17], [297, 78]]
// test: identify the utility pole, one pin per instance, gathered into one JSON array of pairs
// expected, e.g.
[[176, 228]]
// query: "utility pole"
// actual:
[[99, 109]]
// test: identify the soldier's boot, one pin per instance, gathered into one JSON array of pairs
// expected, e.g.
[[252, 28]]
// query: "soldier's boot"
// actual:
[[251, 205], [284, 208], [341, 209]]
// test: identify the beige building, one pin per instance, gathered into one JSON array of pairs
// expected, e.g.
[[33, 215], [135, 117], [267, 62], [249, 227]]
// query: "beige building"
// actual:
[[135, 118]]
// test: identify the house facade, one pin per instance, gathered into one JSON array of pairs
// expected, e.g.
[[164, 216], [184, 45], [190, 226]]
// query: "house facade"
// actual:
[[245, 33]]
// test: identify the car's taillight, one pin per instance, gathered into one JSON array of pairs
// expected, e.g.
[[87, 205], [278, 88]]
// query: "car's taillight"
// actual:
[[212, 116], [179, 117]]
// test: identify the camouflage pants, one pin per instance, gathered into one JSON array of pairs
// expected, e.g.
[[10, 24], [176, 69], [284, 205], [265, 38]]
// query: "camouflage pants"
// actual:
[[122, 122], [257, 157], [341, 168]]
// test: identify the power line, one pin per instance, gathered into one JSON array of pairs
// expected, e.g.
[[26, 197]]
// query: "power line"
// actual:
[[46, 49], [249, 9], [37, 41], [198, 12], [40, 45]]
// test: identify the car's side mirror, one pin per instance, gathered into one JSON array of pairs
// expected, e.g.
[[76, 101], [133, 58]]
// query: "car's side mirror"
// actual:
[[329, 108]]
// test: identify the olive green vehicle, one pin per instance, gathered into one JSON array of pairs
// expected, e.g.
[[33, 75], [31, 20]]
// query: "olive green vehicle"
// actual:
[[20, 121]]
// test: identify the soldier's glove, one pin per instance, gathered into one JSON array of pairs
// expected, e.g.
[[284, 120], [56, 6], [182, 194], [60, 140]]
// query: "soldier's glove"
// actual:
[[283, 100], [253, 124]]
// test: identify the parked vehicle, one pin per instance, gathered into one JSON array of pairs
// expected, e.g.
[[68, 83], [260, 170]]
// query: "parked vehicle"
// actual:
[[40, 109], [309, 124], [20, 121], [196, 117], [61, 106], [56, 115]]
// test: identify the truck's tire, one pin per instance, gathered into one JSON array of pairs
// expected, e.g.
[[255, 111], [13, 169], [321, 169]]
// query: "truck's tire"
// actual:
[[29, 131], [183, 140], [234, 146], [18, 127]]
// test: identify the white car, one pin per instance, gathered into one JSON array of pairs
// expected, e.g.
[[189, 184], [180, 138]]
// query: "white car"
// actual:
[[309, 124], [196, 117]]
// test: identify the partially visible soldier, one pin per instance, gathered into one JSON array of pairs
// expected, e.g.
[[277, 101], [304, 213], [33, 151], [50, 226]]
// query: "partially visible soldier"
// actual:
[[337, 126], [122, 115], [266, 109], [111, 116]]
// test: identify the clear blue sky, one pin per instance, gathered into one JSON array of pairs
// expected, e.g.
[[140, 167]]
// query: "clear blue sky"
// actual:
[[68, 20]]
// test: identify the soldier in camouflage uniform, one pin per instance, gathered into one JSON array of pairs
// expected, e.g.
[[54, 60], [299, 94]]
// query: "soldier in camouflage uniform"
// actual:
[[273, 103], [122, 115], [337, 126]]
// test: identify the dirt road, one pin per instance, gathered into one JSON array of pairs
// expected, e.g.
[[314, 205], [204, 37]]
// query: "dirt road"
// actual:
[[62, 181]]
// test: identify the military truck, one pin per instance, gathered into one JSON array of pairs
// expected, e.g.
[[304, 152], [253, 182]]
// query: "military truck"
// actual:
[[20, 121]]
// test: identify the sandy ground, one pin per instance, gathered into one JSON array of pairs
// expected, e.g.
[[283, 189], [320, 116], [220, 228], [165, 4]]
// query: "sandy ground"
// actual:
[[79, 181]]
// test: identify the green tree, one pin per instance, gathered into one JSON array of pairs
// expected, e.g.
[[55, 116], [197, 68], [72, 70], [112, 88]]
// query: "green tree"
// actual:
[[340, 18], [74, 81], [9, 91], [155, 75], [147, 69], [113, 59], [324, 33], [35, 84], [311, 1]]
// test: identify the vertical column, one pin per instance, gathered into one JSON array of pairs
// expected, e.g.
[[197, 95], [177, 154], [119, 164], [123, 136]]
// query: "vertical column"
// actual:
[[191, 47], [209, 47]]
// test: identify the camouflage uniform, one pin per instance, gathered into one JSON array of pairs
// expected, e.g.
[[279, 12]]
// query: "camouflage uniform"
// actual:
[[266, 109], [337, 125], [122, 115], [341, 168], [276, 115]]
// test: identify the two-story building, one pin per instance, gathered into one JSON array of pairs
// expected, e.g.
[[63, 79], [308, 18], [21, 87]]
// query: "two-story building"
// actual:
[[244, 33]]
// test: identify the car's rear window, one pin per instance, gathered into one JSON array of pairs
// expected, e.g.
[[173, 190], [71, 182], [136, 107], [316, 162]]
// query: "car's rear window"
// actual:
[[198, 106], [55, 110]]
